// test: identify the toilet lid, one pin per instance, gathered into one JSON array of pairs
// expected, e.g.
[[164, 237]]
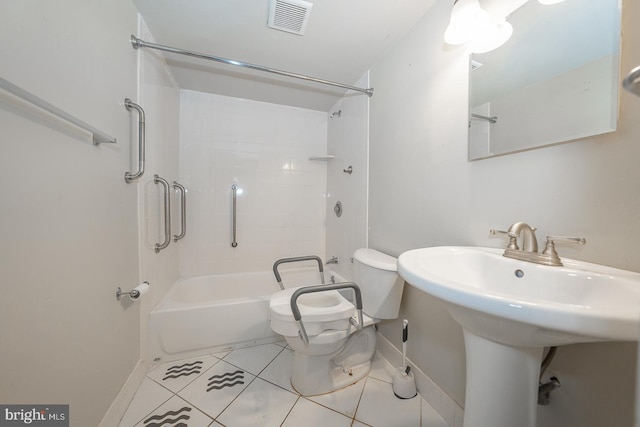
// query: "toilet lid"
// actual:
[[376, 259], [315, 307]]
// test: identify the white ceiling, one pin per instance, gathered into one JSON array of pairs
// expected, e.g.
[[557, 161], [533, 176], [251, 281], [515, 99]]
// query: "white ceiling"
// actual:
[[343, 39]]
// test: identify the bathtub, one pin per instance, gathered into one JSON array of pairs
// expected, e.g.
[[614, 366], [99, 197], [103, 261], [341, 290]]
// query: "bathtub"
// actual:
[[207, 314]]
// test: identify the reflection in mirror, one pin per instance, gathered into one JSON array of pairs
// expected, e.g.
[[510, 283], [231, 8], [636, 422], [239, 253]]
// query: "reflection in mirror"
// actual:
[[555, 80]]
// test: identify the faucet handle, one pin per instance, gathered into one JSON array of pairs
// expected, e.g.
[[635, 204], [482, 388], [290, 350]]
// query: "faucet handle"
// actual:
[[507, 233], [513, 238], [550, 247], [576, 240]]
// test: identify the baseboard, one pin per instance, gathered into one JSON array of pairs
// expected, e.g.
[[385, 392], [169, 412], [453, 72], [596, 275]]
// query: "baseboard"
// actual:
[[446, 407], [121, 402]]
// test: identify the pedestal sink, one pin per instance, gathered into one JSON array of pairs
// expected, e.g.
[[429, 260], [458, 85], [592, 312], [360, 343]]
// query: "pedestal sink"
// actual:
[[510, 310]]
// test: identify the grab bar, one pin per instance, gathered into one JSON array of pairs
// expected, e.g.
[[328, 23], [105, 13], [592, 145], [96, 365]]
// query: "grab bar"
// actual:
[[297, 259], [99, 137], [129, 177], [234, 191], [167, 214], [183, 210], [493, 119], [320, 288]]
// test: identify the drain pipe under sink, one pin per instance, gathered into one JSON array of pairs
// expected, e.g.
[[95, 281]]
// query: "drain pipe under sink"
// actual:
[[544, 390]]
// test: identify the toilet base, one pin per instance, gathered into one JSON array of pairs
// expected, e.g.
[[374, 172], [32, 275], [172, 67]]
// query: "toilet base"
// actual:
[[313, 374]]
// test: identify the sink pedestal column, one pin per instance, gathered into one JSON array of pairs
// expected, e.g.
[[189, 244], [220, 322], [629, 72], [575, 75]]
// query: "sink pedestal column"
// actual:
[[502, 383]]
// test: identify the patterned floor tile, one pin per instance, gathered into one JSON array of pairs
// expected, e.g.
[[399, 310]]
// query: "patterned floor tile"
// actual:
[[177, 375], [216, 388], [149, 396], [223, 390], [176, 412]]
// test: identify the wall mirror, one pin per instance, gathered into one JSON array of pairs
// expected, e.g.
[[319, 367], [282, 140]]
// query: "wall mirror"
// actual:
[[555, 80]]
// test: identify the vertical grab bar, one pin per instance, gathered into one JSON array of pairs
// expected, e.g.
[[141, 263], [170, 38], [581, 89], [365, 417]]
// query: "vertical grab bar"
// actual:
[[183, 210], [128, 176], [234, 193], [167, 214]]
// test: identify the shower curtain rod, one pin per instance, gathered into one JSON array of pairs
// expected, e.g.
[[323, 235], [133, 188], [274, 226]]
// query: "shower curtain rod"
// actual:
[[138, 43]]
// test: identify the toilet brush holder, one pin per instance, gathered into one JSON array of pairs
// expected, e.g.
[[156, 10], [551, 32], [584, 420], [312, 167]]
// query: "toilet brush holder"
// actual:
[[404, 384]]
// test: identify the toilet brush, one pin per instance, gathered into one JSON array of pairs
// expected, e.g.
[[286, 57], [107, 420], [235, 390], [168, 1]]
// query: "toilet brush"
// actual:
[[404, 384]]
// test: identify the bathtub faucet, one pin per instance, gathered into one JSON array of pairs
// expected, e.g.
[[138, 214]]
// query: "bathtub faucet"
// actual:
[[333, 260]]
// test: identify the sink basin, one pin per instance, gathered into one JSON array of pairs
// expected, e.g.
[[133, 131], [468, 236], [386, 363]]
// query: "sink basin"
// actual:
[[510, 310], [521, 303]]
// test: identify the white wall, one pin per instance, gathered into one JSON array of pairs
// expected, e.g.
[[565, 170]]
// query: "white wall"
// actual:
[[348, 141], [571, 105], [69, 221], [160, 98], [265, 149], [423, 192]]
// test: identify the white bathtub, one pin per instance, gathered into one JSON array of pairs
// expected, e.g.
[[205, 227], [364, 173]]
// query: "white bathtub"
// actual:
[[201, 315]]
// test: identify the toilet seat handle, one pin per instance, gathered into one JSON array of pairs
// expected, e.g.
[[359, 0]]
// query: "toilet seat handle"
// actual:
[[297, 259], [321, 288]]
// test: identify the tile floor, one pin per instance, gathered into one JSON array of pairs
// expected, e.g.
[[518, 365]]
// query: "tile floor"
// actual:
[[251, 387]]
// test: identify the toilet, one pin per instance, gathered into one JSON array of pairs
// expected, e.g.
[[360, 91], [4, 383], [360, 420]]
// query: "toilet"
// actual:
[[336, 352]]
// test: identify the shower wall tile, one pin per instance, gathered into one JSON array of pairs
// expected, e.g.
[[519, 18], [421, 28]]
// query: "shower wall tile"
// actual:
[[159, 95], [348, 140], [265, 149]]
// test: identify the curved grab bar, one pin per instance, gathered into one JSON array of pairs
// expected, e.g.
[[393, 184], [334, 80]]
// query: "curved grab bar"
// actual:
[[167, 214], [297, 259], [234, 192], [128, 176], [320, 288], [183, 210]]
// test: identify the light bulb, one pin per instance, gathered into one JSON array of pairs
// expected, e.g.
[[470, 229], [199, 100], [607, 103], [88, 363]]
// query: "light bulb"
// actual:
[[467, 20], [492, 38]]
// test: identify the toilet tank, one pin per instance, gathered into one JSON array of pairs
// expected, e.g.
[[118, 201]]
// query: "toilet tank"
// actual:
[[377, 276]]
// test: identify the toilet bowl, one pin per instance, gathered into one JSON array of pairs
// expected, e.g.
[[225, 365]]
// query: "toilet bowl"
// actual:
[[332, 349], [326, 319]]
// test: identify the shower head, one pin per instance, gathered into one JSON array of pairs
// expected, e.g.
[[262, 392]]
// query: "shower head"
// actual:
[[335, 114], [632, 81]]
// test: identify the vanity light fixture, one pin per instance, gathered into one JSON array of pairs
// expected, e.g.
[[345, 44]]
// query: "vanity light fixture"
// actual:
[[470, 23], [467, 20], [493, 38]]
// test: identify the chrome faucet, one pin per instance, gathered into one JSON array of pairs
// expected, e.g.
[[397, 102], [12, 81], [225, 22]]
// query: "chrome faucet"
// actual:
[[529, 251], [333, 260], [529, 241]]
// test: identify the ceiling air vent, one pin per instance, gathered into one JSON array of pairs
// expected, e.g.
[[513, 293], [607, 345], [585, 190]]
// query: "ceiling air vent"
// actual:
[[289, 15]]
